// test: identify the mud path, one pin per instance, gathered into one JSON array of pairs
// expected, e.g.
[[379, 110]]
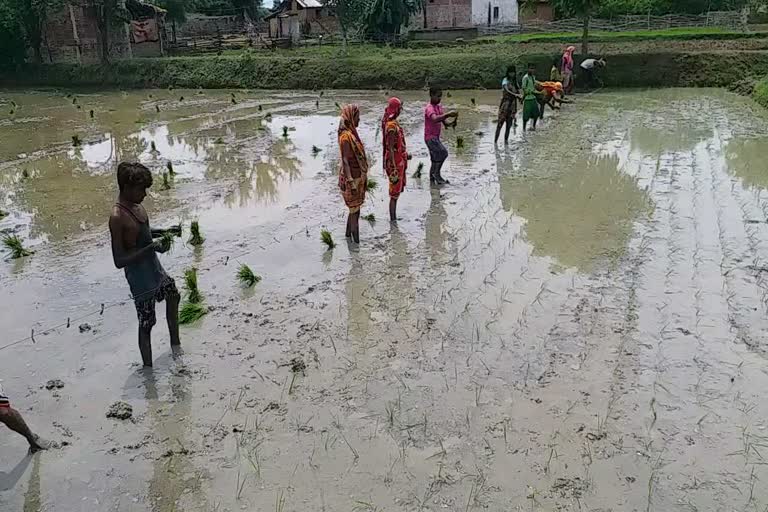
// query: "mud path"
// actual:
[[576, 323]]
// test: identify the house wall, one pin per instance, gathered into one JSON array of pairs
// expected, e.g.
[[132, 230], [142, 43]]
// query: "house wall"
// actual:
[[542, 12], [507, 12], [62, 43], [444, 14]]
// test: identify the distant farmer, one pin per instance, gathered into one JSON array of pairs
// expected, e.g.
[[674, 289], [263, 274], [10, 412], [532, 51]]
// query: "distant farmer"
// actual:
[[567, 69], [554, 74], [434, 120], [395, 153], [591, 67], [12, 419], [135, 251], [530, 102], [353, 173], [510, 94]]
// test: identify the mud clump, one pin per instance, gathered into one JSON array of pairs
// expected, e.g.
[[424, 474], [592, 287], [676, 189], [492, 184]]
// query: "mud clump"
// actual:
[[86, 327], [120, 410], [54, 384]]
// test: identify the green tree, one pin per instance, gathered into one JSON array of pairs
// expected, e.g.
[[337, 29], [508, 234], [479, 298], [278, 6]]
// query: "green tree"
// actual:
[[32, 14], [177, 13], [12, 47], [387, 17], [350, 13]]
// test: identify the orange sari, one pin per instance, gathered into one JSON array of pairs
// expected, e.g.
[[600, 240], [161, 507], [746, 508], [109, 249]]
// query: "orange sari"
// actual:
[[352, 150], [395, 171]]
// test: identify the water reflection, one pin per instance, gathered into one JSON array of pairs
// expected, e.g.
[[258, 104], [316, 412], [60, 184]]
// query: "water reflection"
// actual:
[[655, 138], [9, 480], [746, 159], [358, 309], [436, 236], [32, 498], [579, 216]]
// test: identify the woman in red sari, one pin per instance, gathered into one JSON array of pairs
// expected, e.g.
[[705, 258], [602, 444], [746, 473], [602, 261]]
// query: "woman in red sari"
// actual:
[[353, 173], [395, 155]]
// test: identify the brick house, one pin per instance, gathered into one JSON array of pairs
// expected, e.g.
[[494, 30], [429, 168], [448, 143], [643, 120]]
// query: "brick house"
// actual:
[[443, 14]]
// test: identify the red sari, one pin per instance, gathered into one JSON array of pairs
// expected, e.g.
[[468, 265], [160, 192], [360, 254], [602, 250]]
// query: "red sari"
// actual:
[[396, 161], [352, 150]]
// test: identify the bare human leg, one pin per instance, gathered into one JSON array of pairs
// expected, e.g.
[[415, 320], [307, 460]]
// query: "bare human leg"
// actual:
[[498, 131], [356, 226], [145, 345], [172, 317], [12, 419], [506, 133], [392, 209], [348, 233]]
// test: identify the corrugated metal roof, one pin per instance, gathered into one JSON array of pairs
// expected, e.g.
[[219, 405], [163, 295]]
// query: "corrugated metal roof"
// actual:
[[309, 3]]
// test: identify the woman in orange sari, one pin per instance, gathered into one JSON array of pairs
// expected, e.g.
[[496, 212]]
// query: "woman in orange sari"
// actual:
[[395, 155], [353, 173]]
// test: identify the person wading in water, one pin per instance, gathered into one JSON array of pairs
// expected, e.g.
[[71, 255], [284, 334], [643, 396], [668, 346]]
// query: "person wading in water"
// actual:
[[135, 251]]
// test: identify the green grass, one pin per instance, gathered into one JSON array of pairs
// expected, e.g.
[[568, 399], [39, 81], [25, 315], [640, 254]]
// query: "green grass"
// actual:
[[760, 93], [327, 238], [369, 217], [196, 238]]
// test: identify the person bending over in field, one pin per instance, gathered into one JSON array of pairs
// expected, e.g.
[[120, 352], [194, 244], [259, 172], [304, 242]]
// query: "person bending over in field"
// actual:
[[135, 251]]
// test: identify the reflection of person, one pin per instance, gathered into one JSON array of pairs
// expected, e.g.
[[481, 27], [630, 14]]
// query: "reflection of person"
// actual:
[[12, 419], [567, 68], [395, 154], [436, 219], [434, 119], [510, 93], [530, 102], [353, 174], [134, 250], [590, 67]]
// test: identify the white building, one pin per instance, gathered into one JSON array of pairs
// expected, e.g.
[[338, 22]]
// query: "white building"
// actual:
[[487, 13]]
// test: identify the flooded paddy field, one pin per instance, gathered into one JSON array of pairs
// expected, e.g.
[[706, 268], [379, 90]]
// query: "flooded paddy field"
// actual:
[[576, 323]]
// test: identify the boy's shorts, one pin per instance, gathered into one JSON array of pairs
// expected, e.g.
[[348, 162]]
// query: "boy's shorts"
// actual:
[[4, 402], [145, 306]]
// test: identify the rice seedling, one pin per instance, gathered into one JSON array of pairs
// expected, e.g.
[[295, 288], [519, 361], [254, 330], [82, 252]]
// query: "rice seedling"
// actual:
[[169, 166], [157, 108], [167, 240], [3, 214], [218, 140], [268, 117], [472, 100], [371, 185], [261, 108], [479, 133], [191, 312], [190, 284], [24, 174], [370, 217], [14, 244], [166, 185], [79, 107], [152, 147], [459, 142], [150, 96], [74, 100], [327, 238], [170, 88], [316, 150], [12, 112], [195, 237], [419, 168], [181, 98], [246, 276], [76, 142], [317, 103], [285, 132], [13, 104], [233, 101], [448, 94], [337, 105], [200, 91], [91, 113]]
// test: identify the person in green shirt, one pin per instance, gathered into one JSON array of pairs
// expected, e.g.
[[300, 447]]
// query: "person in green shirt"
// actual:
[[530, 103]]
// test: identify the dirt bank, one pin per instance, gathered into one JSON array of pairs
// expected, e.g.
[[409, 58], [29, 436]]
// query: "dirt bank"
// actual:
[[631, 64]]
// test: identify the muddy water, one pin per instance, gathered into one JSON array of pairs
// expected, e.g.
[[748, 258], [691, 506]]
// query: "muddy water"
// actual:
[[576, 323]]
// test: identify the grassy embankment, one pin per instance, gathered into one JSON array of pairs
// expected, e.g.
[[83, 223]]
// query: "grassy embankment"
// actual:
[[685, 57]]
